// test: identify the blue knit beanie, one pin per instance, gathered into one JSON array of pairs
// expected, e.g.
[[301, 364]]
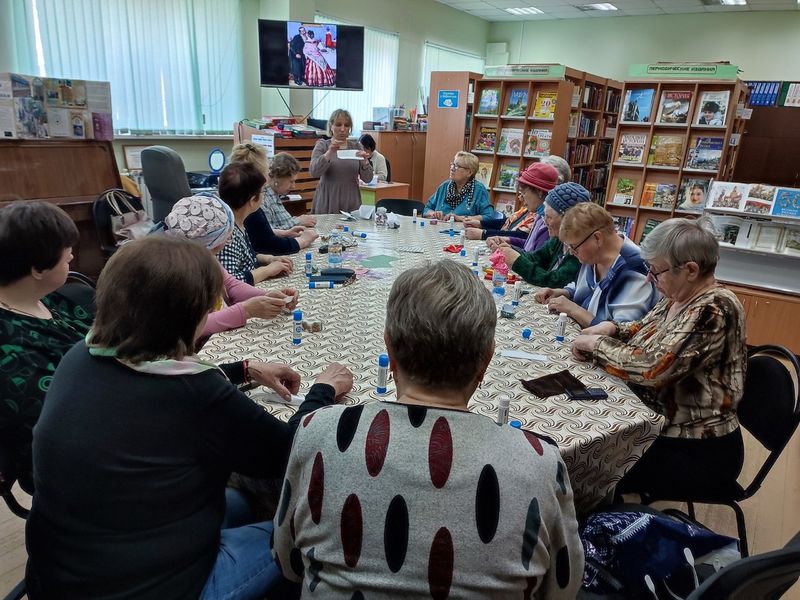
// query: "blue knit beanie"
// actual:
[[566, 195]]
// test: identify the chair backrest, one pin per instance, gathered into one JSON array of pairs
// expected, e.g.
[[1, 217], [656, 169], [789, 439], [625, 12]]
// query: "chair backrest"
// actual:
[[770, 405], [400, 206], [764, 576], [165, 177], [80, 290], [388, 169], [101, 215]]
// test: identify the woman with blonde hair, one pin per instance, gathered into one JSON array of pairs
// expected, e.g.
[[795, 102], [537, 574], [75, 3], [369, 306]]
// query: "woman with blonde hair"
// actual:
[[612, 282], [338, 177], [272, 229], [461, 194]]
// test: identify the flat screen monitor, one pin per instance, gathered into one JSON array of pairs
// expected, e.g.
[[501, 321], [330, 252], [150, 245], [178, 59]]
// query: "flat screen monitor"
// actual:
[[311, 55]]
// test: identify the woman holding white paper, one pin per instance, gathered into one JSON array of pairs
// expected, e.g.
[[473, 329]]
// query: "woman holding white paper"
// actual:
[[338, 162]]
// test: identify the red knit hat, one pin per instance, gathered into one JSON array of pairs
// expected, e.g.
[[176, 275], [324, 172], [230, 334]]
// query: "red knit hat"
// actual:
[[541, 176]]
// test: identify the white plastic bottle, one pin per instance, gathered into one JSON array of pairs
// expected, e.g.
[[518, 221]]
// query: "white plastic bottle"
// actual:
[[414, 217], [561, 327], [335, 249], [452, 225], [503, 403], [383, 373], [517, 293], [297, 326], [309, 265]]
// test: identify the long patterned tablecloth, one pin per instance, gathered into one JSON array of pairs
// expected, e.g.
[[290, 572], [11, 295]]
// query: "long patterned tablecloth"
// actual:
[[599, 440]]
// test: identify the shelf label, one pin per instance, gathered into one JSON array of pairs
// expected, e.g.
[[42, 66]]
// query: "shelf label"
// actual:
[[526, 71], [267, 141], [448, 99], [685, 70]]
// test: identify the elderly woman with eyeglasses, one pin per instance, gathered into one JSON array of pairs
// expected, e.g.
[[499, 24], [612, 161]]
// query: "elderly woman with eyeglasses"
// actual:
[[461, 195], [612, 283], [686, 359]]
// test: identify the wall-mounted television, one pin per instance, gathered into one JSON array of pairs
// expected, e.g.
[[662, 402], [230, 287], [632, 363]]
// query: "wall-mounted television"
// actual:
[[311, 55]]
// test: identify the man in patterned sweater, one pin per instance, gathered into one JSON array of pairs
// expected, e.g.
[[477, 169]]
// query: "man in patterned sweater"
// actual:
[[420, 498]]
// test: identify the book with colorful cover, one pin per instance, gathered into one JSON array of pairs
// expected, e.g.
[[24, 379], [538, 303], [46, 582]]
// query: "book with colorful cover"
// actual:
[[545, 106], [623, 225], [638, 105], [712, 108], [631, 148], [674, 107], [705, 154], [694, 194], [538, 143], [487, 139], [649, 225], [507, 207], [666, 194], [791, 241], [625, 189], [490, 98], [517, 103], [648, 195], [666, 150], [510, 141], [484, 174], [787, 203], [727, 196], [760, 199], [507, 177]]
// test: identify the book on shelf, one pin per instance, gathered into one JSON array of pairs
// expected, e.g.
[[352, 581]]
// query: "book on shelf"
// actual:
[[484, 174], [517, 103], [572, 128], [507, 177], [613, 98], [623, 225], [694, 193], [609, 126], [674, 107], [791, 241], [648, 195], [507, 207], [712, 108], [638, 105], [538, 143], [576, 97], [592, 97], [760, 199], [490, 98], [666, 150], [624, 191], [735, 231], [787, 203], [768, 237], [545, 105], [487, 139], [604, 150], [666, 194], [631, 148], [726, 195], [649, 225], [510, 141], [705, 154], [587, 126]]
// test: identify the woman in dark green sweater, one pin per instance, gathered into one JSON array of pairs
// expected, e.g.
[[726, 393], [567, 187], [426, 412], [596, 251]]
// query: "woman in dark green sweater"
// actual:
[[552, 265]]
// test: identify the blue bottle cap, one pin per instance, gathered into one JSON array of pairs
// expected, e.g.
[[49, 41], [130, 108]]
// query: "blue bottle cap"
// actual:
[[346, 228], [383, 360], [308, 255], [297, 314], [422, 223], [463, 252], [515, 424], [526, 333]]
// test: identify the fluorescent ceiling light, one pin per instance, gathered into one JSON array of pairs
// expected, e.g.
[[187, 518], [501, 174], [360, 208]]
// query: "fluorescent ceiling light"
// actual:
[[530, 11], [733, 2], [606, 6]]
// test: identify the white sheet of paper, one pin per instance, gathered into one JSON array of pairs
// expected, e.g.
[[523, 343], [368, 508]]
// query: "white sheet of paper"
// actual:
[[270, 396], [347, 216], [365, 211], [523, 355], [294, 197], [347, 154]]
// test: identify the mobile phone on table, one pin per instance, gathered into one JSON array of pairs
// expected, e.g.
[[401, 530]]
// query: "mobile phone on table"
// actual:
[[592, 393]]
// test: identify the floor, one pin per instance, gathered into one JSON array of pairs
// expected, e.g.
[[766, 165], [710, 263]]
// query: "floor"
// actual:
[[773, 515]]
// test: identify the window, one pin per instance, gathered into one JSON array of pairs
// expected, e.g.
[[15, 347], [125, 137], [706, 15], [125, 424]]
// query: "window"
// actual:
[[439, 58], [381, 52], [174, 67]]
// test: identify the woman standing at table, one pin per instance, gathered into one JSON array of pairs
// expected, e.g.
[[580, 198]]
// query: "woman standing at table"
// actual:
[[686, 359], [338, 177], [139, 436], [461, 195], [385, 529], [612, 282]]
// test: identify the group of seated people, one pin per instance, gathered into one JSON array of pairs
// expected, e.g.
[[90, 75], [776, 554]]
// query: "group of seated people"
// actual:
[[127, 439]]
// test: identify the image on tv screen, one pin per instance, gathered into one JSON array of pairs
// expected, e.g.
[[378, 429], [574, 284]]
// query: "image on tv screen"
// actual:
[[312, 55]]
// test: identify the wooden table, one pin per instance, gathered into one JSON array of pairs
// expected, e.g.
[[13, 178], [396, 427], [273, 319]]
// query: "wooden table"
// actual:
[[599, 441], [370, 194]]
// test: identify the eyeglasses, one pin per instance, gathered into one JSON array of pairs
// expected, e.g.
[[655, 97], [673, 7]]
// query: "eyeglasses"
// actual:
[[655, 274], [574, 247], [457, 166]]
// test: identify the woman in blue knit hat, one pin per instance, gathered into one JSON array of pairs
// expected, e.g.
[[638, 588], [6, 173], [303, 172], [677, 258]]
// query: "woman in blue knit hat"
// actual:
[[551, 265]]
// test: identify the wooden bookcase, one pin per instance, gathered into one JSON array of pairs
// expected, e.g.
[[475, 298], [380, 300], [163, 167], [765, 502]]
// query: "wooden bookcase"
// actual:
[[581, 128], [444, 125], [642, 173], [405, 151]]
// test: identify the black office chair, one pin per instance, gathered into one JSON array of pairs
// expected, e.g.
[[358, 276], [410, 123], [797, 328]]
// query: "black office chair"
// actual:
[[101, 214], [765, 576], [165, 177], [770, 411], [388, 170], [401, 206]]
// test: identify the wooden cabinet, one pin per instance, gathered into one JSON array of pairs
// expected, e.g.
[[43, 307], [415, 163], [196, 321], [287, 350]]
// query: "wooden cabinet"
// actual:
[[405, 151], [770, 318], [770, 150]]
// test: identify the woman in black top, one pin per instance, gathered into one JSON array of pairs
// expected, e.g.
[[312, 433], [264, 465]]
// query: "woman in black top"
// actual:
[[138, 438]]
